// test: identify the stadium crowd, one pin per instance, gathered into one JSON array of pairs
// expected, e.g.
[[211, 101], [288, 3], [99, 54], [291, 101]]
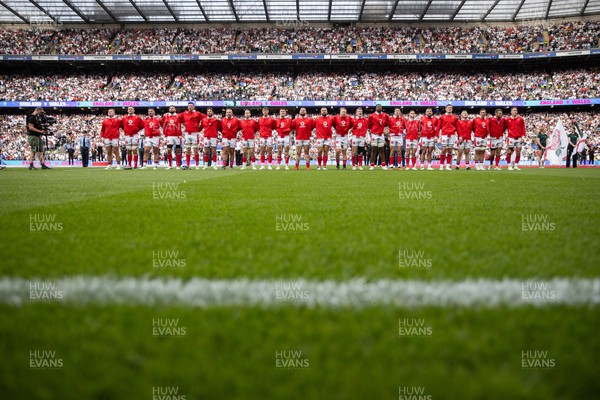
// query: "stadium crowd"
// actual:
[[70, 128], [533, 37], [148, 41], [77, 41], [240, 86], [579, 83], [52, 87]]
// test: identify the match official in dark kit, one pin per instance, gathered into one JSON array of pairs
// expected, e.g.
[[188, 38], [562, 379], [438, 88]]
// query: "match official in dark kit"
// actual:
[[573, 138], [35, 130], [140, 149], [84, 149], [123, 155], [70, 147]]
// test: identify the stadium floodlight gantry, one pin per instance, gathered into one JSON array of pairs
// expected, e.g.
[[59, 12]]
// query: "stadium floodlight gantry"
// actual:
[[236, 11]]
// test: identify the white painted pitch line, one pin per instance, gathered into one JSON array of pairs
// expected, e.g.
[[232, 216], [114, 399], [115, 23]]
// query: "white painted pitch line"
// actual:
[[203, 293]]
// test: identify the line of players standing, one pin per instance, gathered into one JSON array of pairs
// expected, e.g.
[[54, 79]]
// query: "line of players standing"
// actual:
[[192, 132]]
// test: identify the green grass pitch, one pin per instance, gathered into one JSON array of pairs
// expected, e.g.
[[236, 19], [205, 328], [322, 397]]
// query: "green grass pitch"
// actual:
[[287, 225]]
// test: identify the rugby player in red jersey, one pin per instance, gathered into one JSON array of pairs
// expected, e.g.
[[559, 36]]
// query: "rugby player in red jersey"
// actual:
[[171, 125], [230, 126], [191, 119], [324, 128], [283, 126], [396, 125], [132, 124], [482, 131], [465, 139], [429, 130], [516, 132], [448, 128], [110, 132], [412, 139], [378, 122], [152, 125], [211, 126], [266, 128], [342, 124], [249, 128], [360, 124], [303, 126], [497, 129]]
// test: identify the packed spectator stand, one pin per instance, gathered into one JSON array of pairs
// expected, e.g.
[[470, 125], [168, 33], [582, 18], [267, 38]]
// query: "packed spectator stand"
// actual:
[[515, 38], [580, 83]]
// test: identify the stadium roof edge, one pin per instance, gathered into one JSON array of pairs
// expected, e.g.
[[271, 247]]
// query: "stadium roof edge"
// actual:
[[253, 11], [324, 24]]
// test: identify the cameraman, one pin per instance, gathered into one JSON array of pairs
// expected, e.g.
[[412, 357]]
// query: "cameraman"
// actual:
[[35, 131]]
